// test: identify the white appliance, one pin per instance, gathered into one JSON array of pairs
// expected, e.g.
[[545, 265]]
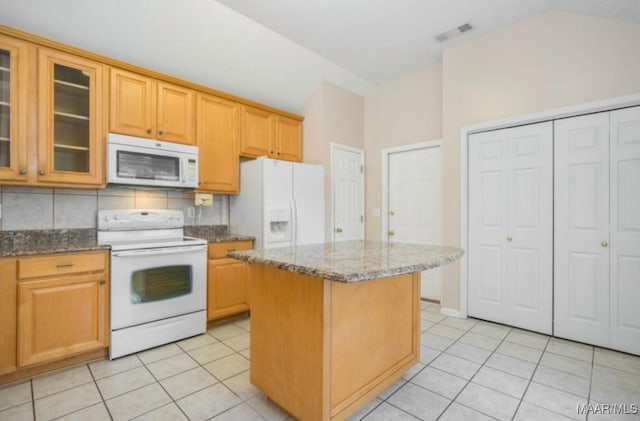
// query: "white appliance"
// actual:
[[280, 203], [147, 162], [158, 279]]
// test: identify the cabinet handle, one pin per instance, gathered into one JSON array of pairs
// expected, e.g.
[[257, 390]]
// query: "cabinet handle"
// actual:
[[23, 172], [160, 132], [604, 244], [148, 131], [64, 265], [41, 172]]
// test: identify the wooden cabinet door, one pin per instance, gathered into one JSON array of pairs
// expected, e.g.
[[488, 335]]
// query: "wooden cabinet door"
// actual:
[[257, 133], [131, 104], [226, 288], [218, 134], [62, 316], [70, 119], [14, 78], [176, 114], [8, 292], [288, 139]]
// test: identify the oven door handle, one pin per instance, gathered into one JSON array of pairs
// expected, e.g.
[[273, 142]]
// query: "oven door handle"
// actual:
[[157, 252]]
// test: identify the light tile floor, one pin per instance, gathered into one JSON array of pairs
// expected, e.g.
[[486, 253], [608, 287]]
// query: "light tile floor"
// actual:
[[469, 370]]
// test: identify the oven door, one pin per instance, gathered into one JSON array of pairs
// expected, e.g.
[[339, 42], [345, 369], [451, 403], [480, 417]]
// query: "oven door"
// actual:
[[154, 284]]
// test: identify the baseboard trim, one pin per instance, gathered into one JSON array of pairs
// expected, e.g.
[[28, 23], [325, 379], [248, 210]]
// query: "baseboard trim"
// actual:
[[450, 312]]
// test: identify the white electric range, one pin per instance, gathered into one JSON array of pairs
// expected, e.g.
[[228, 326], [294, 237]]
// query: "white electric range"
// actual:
[[158, 278]]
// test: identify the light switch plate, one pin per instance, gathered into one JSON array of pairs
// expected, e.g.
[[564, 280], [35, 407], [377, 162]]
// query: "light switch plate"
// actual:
[[204, 199]]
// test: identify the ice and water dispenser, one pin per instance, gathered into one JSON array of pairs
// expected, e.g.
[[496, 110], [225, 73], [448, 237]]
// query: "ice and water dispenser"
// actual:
[[278, 225]]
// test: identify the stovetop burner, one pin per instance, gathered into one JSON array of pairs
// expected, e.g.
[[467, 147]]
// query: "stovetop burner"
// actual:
[[131, 229]]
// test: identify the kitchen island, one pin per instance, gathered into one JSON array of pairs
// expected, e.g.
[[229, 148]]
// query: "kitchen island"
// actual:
[[333, 325]]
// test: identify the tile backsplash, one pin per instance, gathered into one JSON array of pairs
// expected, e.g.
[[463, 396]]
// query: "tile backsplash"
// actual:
[[26, 208]]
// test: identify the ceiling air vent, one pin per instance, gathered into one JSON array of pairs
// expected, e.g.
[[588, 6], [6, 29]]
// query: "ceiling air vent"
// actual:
[[451, 33]]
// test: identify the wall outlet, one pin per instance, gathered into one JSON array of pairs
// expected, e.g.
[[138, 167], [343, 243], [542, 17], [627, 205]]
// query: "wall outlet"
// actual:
[[204, 199]]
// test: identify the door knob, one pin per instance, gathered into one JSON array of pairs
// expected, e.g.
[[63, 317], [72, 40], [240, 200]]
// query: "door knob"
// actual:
[[392, 232], [509, 239], [338, 230], [604, 244], [392, 213]]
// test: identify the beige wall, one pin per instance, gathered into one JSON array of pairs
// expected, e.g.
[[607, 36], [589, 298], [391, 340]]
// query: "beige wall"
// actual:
[[548, 61], [331, 114], [401, 111]]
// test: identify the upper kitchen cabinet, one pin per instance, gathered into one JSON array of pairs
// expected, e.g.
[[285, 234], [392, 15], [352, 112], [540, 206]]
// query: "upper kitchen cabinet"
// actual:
[[257, 132], [217, 136], [288, 145], [71, 113], [145, 107], [13, 109], [267, 134]]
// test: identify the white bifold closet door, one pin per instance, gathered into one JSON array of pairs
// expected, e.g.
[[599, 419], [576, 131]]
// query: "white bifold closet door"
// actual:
[[511, 227], [597, 229]]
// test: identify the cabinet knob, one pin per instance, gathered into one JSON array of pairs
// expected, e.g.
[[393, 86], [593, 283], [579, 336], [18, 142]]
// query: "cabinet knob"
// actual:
[[160, 132], [41, 172], [604, 244], [148, 131], [23, 172], [272, 152], [338, 230], [509, 239], [102, 282], [392, 232]]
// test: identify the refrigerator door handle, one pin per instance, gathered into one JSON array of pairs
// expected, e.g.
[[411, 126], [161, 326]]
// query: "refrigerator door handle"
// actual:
[[294, 220]]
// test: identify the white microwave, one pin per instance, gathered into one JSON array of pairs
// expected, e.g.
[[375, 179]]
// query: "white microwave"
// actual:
[[147, 162]]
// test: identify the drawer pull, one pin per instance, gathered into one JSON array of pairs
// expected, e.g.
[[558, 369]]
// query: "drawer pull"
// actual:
[[64, 265], [228, 250]]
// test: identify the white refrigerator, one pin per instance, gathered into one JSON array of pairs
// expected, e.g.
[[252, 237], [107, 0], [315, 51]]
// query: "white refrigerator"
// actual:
[[280, 203]]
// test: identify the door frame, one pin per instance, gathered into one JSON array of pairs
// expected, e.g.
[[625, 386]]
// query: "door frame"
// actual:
[[384, 234], [332, 148], [552, 114]]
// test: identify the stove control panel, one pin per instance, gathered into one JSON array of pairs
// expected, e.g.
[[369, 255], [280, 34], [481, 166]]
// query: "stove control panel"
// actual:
[[138, 219]]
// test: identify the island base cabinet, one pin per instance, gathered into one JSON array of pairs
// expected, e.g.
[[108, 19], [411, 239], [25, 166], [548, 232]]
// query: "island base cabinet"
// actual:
[[61, 317], [322, 349]]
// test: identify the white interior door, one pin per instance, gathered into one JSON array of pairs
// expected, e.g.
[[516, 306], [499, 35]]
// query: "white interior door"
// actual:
[[625, 229], [415, 204], [511, 226], [581, 290], [347, 180]]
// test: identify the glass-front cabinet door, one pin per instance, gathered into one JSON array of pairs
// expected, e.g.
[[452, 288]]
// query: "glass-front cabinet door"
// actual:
[[13, 109], [70, 115]]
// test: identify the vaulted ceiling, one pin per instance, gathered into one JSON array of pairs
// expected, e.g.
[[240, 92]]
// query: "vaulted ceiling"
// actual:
[[278, 51]]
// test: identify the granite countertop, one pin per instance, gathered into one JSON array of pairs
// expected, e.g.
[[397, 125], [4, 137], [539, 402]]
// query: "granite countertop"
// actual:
[[31, 242], [352, 261], [214, 234]]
